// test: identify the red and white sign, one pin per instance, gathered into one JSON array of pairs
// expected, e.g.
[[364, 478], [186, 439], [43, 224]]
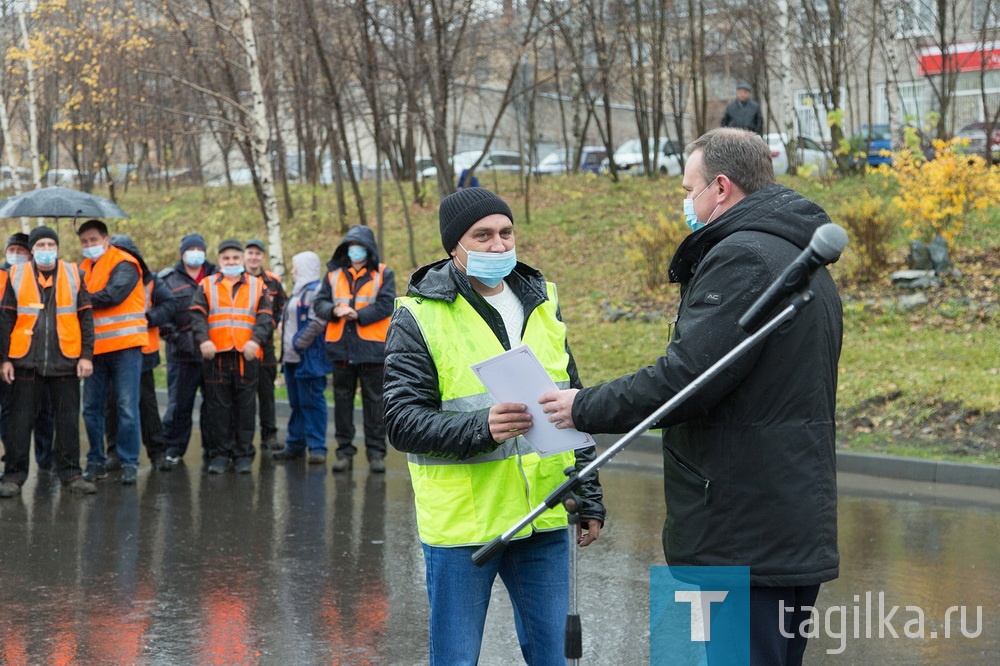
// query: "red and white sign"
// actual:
[[960, 58]]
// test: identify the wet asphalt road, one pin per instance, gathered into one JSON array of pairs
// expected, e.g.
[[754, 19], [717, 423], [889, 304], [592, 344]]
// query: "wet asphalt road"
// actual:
[[293, 565]]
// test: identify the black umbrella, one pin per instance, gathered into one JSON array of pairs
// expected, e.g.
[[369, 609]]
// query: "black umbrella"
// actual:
[[59, 202]]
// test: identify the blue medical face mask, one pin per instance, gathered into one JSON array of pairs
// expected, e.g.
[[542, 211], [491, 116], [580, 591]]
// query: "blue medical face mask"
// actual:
[[16, 259], [357, 253], [94, 252], [194, 258], [490, 268], [232, 271], [46, 257], [690, 217]]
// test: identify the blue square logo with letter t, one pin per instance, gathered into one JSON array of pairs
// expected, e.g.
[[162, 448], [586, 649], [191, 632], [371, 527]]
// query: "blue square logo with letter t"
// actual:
[[699, 615]]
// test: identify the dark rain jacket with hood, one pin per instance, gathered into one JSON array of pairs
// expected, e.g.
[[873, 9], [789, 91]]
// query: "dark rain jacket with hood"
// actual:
[[351, 348], [749, 465], [414, 420]]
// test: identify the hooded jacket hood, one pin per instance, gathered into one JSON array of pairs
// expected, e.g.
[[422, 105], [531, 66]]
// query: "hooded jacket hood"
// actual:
[[308, 269], [126, 244], [774, 210], [357, 234]]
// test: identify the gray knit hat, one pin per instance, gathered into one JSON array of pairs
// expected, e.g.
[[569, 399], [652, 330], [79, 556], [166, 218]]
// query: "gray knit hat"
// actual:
[[459, 211]]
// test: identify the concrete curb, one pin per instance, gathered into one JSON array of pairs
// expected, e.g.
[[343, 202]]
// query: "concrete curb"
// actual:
[[868, 464]]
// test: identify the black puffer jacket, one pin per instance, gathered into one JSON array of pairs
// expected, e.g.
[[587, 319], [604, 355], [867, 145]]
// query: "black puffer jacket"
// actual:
[[413, 416], [749, 465]]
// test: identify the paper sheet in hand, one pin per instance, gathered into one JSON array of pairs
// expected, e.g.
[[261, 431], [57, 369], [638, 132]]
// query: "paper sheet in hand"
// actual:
[[518, 376]]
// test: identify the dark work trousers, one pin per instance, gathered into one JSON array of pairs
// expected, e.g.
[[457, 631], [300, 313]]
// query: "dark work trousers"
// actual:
[[346, 377], [767, 646], [44, 426], [265, 394], [183, 381], [230, 397], [150, 426], [26, 400]]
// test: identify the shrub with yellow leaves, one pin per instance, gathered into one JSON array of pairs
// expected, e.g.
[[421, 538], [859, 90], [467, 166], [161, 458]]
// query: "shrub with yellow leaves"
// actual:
[[938, 196], [650, 247]]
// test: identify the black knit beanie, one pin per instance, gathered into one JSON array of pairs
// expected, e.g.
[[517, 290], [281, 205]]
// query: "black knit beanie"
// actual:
[[459, 211], [19, 239], [38, 233]]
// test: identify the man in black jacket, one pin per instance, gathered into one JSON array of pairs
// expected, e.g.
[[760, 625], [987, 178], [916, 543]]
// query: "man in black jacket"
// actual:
[[184, 376], [743, 112], [749, 465], [473, 473], [46, 345]]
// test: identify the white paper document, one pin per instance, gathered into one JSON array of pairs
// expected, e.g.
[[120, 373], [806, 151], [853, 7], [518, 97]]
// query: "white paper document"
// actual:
[[518, 376]]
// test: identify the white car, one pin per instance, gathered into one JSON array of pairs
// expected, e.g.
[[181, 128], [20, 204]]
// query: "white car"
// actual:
[[628, 157], [810, 152], [495, 160]]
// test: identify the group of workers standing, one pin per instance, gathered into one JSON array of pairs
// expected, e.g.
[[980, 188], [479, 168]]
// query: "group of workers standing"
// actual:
[[103, 320]]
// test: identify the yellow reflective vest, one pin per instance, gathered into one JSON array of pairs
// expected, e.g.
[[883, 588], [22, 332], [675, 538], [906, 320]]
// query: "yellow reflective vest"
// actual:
[[471, 501]]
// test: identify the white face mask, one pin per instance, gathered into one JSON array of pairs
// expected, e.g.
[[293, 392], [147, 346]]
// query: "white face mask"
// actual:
[[490, 268], [16, 259]]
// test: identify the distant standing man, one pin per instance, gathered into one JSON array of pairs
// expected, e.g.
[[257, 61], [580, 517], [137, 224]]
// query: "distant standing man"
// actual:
[[19, 252], [161, 307], [184, 360], [231, 319], [46, 346], [114, 280], [357, 299], [253, 258], [743, 112]]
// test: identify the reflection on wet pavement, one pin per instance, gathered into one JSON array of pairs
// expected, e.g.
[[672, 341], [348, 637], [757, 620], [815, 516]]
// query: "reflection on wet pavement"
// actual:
[[293, 565]]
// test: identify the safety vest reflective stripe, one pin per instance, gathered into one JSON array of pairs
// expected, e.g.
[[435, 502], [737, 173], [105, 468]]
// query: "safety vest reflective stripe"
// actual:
[[231, 324], [121, 326], [367, 294], [467, 502], [67, 289]]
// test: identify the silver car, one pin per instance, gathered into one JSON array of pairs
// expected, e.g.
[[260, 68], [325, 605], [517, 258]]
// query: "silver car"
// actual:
[[976, 135]]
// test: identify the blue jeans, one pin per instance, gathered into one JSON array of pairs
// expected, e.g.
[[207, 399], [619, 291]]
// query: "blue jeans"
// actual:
[[123, 370], [535, 571], [307, 423]]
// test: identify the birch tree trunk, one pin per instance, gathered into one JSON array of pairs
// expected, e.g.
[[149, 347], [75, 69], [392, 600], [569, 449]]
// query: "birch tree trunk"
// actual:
[[36, 164], [8, 149], [260, 136]]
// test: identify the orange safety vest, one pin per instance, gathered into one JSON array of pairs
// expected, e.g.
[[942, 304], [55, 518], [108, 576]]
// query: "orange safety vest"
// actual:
[[152, 332], [4, 277], [365, 296], [231, 321], [29, 305], [122, 326]]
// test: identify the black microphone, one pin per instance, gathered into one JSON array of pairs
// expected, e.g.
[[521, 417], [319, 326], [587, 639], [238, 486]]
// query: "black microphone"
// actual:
[[825, 247]]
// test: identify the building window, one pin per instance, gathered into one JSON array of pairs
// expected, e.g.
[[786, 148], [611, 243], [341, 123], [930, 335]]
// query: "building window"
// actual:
[[985, 14], [916, 17]]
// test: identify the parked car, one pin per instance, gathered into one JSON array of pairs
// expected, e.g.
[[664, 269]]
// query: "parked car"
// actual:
[[495, 160], [875, 141], [628, 157], [558, 161], [64, 177], [7, 177], [976, 134], [809, 152]]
